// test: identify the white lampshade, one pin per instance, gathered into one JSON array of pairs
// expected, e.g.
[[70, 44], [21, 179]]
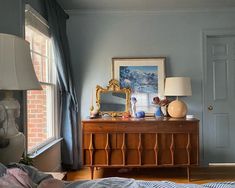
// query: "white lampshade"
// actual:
[[16, 72], [178, 86]]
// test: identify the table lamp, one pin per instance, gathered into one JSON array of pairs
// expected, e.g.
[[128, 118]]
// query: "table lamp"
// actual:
[[16, 73], [177, 86]]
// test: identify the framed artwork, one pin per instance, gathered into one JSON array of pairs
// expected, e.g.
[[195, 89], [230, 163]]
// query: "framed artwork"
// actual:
[[145, 77]]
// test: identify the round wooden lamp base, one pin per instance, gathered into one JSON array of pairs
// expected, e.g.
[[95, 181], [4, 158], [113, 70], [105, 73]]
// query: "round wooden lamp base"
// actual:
[[177, 109]]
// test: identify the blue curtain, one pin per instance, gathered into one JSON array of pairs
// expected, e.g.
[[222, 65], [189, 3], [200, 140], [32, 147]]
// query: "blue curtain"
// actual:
[[68, 101]]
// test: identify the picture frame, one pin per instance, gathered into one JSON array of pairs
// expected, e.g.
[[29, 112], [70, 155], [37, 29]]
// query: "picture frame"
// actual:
[[145, 77]]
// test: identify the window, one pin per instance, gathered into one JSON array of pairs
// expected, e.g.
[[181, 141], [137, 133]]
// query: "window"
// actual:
[[41, 104]]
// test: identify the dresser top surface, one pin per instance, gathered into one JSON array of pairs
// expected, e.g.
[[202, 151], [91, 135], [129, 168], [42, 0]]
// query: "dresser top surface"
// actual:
[[146, 119]]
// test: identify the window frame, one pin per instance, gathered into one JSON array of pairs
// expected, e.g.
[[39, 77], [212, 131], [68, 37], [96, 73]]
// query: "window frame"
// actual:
[[43, 29]]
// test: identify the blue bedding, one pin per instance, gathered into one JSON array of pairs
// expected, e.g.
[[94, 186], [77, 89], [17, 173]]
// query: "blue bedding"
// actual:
[[116, 182], [36, 178]]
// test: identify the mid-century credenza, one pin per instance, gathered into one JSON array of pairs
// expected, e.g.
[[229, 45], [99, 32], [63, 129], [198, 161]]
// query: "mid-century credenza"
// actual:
[[140, 143]]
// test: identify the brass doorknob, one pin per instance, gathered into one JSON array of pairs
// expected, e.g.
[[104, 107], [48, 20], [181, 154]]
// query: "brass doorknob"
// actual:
[[210, 107]]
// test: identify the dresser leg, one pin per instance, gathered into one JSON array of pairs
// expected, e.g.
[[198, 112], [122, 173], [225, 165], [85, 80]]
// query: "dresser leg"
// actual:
[[92, 172], [188, 173]]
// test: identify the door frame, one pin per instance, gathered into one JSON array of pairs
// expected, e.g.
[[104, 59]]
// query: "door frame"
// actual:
[[205, 34]]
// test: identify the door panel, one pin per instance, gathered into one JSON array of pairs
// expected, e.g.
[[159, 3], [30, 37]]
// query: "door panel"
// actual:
[[220, 82], [219, 49], [219, 100], [222, 130]]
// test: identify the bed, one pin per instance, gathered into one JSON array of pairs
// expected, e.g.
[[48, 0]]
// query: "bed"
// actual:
[[17, 175]]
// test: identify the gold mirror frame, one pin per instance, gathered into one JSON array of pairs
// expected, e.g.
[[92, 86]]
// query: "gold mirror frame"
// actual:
[[114, 87]]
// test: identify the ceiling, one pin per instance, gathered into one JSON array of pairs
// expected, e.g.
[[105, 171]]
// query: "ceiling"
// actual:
[[151, 5]]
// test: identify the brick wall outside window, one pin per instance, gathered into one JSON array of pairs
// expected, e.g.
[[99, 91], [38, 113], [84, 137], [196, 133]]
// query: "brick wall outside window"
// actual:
[[37, 118]]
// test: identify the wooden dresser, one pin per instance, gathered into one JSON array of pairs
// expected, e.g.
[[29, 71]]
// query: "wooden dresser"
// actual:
[[140, 143]]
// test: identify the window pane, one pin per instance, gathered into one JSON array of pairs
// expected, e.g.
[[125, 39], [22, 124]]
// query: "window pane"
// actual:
[[39, 43], [41, 67], [45, 70], [39, 105]]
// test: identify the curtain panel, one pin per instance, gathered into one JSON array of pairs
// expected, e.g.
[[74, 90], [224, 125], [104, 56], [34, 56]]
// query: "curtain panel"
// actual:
[[68, 100]]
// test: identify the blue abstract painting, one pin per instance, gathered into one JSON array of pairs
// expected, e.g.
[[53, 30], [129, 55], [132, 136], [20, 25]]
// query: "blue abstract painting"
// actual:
[[141, 79]]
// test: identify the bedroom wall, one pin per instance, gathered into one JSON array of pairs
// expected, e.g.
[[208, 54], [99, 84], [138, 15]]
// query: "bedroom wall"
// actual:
[[96, 37], [11, 17], [12, 22]]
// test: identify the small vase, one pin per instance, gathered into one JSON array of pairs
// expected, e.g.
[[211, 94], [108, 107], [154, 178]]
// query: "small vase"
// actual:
[[158, 112], [133, 106], [164, 110], [133, 110]]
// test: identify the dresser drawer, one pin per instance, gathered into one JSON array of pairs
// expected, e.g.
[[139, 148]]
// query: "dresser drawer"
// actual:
[[100, 127], [163, 127]]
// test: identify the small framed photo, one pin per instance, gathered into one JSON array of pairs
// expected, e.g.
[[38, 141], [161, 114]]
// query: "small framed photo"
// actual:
[[145, 77]]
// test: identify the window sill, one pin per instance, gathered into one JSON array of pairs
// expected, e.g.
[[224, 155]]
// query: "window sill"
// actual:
[[44, 148]]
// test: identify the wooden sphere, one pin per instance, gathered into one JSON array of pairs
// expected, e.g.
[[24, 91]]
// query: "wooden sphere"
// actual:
[[177, 109]]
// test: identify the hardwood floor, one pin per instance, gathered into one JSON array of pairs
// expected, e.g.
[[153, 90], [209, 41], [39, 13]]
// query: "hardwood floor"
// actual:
[[199, 175]]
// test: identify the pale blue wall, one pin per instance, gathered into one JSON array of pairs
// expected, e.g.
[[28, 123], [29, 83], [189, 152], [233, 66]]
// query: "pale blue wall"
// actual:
[[11, 17], [97, 37]]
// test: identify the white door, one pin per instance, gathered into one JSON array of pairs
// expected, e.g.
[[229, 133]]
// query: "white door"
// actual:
[[219, 116]]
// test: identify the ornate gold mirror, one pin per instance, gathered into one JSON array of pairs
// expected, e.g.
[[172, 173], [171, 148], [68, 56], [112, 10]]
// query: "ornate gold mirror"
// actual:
[[113, 100]]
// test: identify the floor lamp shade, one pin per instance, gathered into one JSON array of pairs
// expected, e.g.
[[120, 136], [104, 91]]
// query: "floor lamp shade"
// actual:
[[16, 68], [178, 86]]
